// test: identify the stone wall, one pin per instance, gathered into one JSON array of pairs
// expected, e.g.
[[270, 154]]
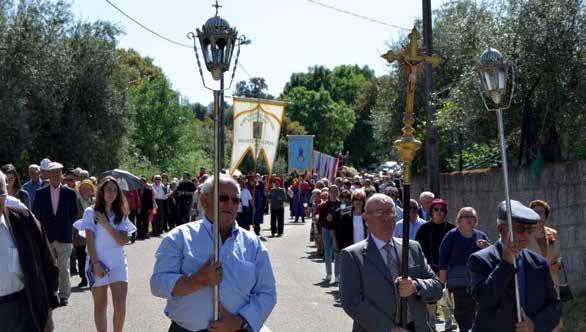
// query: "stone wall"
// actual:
[[562, 185]]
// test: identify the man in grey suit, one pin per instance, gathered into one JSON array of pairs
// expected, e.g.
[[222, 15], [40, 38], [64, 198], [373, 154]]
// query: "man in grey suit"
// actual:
[[370, 282]]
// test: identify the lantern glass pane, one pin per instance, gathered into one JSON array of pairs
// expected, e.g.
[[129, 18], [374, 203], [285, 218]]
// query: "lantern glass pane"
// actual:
[[488, 80], [207, 51], [502, 78]]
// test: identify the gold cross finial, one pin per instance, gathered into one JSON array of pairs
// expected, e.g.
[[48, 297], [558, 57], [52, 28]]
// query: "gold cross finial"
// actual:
[[412, 60]]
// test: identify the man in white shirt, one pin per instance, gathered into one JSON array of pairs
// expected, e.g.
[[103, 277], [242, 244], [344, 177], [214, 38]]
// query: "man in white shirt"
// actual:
[[36, 278], [244, 217], [161, 199]]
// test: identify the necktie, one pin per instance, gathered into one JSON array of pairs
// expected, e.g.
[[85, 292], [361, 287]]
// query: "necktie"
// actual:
[[392, 260]]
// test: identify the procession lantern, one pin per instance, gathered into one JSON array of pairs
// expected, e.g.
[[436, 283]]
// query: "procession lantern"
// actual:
[[217, 41], [493, 72]]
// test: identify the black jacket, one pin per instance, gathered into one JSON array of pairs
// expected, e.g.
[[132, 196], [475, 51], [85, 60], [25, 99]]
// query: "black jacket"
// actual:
[[492, 286], [59, 226], [344, 227], [41, 275]]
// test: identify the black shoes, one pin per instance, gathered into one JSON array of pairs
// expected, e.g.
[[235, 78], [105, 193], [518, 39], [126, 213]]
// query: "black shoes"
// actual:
[[83, 283], [63, 302]]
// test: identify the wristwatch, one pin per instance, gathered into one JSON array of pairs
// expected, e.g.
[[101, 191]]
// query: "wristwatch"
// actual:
[[245, 327]]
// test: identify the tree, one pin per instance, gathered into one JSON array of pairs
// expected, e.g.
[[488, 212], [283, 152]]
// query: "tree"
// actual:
[[329, 121], [62, 93], [255, 88], [339, 90]]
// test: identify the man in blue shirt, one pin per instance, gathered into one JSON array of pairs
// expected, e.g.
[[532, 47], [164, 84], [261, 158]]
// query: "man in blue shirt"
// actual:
[[34, 184], [185, 273]]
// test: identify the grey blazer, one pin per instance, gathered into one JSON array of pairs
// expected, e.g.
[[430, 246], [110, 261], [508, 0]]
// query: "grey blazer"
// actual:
[[369, 295]]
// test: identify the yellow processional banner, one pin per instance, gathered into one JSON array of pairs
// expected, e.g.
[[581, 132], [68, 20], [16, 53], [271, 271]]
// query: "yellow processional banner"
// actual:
[[257, 124]]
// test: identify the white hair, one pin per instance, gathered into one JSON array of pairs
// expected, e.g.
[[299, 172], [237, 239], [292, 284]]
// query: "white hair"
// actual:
[[378, 197], [426, 194], [208, 186]]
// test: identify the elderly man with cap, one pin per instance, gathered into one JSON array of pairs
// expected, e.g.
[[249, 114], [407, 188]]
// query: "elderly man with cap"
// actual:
[[492, 274], [28, 275], [56, 208]]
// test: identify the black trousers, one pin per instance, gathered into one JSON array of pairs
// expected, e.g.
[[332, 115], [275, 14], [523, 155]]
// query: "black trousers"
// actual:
[[464, 308], [143, 224], [176, 328], [277, 221], [15, 314], [159, 222], [184, 211], [80, 256], [133, 217]]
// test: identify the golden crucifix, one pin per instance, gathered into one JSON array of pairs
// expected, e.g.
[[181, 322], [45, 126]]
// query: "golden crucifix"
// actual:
[[413, 60]]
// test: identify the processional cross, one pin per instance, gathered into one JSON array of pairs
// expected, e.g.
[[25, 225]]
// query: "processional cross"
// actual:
[[413, 61]]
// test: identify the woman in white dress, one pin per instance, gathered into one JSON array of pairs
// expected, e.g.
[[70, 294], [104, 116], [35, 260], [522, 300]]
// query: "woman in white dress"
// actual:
[[107, 227]]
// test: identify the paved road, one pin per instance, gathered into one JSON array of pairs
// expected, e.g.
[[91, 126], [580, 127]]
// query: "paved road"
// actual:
[[304, 302]]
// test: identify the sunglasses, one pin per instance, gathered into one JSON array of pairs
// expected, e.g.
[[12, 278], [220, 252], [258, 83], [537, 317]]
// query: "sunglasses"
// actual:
[[344, 196], [439, 209], [226, 198]]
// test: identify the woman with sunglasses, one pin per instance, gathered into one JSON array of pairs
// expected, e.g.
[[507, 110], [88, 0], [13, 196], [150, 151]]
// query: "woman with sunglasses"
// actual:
[[349, 226], [430, 236], [455, 249], [107, 227]]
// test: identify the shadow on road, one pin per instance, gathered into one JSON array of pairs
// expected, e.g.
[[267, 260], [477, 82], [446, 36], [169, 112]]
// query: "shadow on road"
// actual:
[[336, 294], [313, 256]]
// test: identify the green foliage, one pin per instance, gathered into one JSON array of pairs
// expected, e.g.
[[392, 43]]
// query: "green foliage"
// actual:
[[334, 105], [255, 88], [545, 41], [159, 121], [329, 121], [62, 92]]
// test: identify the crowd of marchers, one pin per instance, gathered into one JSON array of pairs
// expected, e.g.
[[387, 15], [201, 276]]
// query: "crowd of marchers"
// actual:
[[60, 223]]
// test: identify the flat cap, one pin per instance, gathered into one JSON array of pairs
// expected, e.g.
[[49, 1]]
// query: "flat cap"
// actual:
[[520, 213]]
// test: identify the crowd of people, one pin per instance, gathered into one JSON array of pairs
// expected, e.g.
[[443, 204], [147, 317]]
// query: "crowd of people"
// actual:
[[60, 223]]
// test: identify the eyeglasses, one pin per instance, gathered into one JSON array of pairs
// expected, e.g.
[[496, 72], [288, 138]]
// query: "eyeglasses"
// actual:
[[383, 213], [226, 198], [520, 229], [437, 209]]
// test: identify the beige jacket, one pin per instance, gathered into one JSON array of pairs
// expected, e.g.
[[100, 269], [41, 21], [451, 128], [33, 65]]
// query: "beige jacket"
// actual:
[[552, 252]]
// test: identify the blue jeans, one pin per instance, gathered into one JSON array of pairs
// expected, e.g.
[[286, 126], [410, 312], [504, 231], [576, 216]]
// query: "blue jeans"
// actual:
[[329, 252]]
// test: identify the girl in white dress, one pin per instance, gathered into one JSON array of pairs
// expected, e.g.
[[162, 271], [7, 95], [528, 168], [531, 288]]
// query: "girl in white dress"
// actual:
[[107, 227]]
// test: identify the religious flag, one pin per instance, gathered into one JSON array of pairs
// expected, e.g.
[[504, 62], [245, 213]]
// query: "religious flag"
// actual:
[[325, 165], [300, 153], [257, 124]]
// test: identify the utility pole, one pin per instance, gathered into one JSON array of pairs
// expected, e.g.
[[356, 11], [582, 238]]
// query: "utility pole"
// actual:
[[431, 141]]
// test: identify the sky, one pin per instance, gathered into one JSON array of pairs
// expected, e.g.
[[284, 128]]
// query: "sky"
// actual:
[[288, 36]]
